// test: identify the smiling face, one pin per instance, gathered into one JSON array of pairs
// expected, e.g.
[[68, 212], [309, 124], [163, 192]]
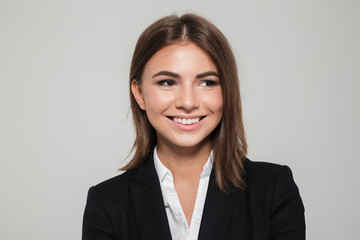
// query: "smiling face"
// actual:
[[181, 94]]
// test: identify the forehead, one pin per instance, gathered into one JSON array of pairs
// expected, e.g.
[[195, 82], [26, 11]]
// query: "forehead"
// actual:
[[180, 57]]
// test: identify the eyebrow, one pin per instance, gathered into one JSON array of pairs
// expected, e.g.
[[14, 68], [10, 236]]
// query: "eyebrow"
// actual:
[[166, 73], [206, 74], [175, 75]]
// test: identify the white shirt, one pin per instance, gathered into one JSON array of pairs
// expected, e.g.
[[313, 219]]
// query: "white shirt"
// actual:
[[177, 221]]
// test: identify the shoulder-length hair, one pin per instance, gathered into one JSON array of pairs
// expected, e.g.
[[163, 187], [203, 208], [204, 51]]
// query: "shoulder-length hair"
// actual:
[[228, 139]]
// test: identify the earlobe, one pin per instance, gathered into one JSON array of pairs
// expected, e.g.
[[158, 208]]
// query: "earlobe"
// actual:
[[137, 93]]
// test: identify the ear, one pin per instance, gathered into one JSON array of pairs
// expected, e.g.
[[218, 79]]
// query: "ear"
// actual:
[[137, 93]]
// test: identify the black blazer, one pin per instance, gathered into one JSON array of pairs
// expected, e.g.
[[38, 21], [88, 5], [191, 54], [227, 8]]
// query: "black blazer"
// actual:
[[130, 207]]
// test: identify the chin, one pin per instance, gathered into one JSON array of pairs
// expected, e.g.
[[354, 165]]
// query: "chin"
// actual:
[[191, 142]]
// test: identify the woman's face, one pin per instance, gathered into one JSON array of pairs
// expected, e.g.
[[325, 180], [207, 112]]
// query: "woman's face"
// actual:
[[181, 94]]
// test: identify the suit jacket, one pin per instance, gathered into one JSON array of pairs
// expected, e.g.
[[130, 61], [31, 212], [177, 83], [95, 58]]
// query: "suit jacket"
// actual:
[[130, 207]]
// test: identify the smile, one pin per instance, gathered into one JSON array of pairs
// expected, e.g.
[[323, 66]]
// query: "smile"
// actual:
[[186, 121]]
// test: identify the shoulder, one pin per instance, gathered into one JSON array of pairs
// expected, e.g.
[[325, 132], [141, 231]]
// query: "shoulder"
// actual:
[[116, 190], [269, 178], [118, 181], [262, 172], [106, 205], [271, 187], [113, 190]]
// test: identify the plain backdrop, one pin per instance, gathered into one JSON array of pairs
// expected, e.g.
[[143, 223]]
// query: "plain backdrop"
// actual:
[[64, 104]]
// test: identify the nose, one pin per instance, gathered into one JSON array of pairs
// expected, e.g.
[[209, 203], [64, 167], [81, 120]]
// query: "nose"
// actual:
[[187, 99]]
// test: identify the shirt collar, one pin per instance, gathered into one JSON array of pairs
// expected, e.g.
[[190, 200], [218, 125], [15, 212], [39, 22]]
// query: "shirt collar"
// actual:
[[161, 170], [208, 166]]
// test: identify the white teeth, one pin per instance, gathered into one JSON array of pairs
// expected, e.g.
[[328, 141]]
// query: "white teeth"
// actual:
[[185, 121]]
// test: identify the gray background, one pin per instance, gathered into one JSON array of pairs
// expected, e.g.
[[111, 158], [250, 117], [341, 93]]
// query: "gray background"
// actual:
[[65, 126]]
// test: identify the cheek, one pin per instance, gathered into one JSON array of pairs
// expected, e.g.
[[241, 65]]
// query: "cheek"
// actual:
[[155, 102], [219, 100], [214, 101]]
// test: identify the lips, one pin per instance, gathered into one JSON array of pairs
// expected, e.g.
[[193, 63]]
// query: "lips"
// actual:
[[186, 120]]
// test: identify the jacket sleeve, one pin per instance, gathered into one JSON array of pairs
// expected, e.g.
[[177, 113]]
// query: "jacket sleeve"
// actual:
[[287, 219], [96, 222]]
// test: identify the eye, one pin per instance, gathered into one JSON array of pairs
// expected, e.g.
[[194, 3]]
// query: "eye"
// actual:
[[166, 83], [208, 83]]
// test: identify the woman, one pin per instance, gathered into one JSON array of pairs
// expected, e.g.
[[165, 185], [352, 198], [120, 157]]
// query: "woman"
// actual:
[[189, 177]]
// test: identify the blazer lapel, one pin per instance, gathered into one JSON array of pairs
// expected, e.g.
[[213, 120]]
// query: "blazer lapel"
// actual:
[[148, 203], [217, 211]]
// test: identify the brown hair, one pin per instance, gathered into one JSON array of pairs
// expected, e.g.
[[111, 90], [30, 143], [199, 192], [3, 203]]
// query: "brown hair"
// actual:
[[228, 140]]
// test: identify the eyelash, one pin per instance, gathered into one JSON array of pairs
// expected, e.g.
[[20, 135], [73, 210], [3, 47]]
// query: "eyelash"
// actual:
[[208, 83], [170, 83], [166, 83]]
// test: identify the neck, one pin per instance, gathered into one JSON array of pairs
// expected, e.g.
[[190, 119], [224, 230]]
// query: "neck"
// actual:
[[184, 162]]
